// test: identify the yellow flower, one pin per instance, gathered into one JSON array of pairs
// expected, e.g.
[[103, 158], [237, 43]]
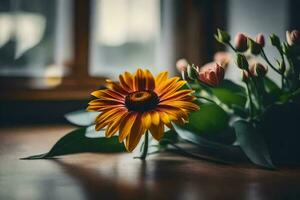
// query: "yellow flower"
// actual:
[[140, 102]]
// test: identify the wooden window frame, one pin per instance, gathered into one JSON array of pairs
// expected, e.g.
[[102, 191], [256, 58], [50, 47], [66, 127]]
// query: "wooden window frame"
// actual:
[[193, 40], [77, 84]]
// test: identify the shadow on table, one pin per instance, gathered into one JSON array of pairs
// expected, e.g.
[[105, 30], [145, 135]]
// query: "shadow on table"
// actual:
[[176, 179]]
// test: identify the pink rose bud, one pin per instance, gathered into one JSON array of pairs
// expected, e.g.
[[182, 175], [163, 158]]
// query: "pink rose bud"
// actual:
[[241, 42], [181, 65], [260, 39], [293, 37], [258, 70], [211, 74]]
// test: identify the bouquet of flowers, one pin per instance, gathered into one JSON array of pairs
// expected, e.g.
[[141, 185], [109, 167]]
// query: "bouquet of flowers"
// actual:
[[201, 115]]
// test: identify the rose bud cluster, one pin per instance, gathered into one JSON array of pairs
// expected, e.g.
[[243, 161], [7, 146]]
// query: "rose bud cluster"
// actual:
[[242, 43], [211, 74], [293, 37]]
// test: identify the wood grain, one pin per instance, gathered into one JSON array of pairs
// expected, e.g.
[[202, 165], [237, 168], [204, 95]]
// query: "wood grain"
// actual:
[[119, 176]]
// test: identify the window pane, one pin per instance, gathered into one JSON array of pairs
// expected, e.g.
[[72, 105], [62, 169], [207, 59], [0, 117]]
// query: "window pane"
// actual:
[[125, 35], [35, 37]]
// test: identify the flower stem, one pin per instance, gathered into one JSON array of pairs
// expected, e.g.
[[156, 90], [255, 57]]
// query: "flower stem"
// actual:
[[250, 100], [145, 147], [207, 99], [269, 63], [231, 46], [283, 71]]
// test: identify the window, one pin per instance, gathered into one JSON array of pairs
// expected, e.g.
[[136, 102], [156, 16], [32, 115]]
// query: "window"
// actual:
[[124, 35], [64, 49], [35, 38]]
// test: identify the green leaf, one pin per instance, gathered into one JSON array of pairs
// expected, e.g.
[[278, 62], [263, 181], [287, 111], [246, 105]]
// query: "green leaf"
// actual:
[[207, 149], [253, 144], [271, 87], [230, 93], [287, 96], [209, 119], [81, 117], [77, 142], [194, 137], [169, 136]]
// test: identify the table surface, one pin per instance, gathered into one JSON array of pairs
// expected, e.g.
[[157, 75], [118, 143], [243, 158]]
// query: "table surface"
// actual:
[[119, 176]]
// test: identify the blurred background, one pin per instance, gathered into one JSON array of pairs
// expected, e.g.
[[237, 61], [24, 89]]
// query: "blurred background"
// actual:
[[54, 53]]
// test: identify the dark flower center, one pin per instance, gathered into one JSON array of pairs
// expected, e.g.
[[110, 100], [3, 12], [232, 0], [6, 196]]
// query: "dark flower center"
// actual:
[[141, 101]]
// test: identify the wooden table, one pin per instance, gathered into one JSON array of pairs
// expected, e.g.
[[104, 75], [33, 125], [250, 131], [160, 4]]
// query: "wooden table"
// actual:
[[118, 176]]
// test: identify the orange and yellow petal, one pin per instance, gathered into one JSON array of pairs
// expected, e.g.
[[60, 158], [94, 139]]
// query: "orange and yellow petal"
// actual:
[[167, 86], [126, 125], [113, 126], [161, 77], [139, 80], [115, 87], [150, 82], [178, 95], [146, 120], [107, 116], [137, 132], [157, 131], [126, 82], [108, 94], [182, 104], [155, 118]]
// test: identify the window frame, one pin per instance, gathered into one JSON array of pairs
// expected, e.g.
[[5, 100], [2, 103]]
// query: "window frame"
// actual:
[[204, 16]]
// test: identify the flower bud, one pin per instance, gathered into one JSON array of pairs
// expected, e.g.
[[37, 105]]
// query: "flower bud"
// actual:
[[275, 41], [245, 76], [241, 61], [293, 37], [211, 74], [181, 65], [192, 72], [222, 36], [254, 47], [260, 39], [258, 70], [241, 42]]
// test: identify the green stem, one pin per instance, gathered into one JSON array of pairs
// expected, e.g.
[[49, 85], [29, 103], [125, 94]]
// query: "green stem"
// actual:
[[269, 63], [282, 75], [207, 99], [145, 147], [189, 86], [231, 46], [292, 73], [258, 91], [250, 100]]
